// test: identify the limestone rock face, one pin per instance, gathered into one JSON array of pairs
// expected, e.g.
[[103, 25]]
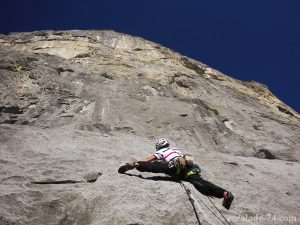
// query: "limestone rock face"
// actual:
[[75, 105]]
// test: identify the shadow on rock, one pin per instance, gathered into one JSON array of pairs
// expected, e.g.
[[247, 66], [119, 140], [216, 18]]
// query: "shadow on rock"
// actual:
[[155, 178]]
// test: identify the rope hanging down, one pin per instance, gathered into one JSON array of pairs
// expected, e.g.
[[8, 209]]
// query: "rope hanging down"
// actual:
[[188, 191], [210, 209], [218, 209]]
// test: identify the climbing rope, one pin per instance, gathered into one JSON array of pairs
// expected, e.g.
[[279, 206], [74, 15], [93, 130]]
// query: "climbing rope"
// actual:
[[209, 209], [218, 209], [188, 191]]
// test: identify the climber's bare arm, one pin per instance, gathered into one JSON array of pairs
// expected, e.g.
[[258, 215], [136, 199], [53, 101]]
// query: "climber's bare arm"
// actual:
[[149, 158]]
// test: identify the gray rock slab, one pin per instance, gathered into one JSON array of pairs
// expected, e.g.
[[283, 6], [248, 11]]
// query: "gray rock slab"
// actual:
[[75, 105]]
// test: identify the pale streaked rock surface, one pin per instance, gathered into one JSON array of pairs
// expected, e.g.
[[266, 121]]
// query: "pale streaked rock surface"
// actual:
[[75, 105]]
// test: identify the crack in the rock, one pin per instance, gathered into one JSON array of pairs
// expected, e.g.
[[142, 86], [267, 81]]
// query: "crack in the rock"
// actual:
[[11, 109], [58, 182], [90, 178]]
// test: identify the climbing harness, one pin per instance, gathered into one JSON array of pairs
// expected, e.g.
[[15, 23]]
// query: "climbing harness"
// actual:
[[195, 169], [188, 191], [179, 163], [191, 172]]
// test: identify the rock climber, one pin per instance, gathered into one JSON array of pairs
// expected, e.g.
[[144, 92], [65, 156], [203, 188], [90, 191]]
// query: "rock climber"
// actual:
[[171, 161]]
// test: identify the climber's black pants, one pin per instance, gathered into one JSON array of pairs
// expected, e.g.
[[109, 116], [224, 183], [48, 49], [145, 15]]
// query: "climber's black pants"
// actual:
[[203, 186], [156, 167]]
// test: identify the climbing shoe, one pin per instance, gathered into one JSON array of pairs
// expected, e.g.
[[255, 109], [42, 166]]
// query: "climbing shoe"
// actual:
[[126, 167], [228, 200]]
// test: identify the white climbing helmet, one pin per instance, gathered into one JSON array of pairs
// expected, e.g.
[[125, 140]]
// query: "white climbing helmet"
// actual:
[[161, 143]]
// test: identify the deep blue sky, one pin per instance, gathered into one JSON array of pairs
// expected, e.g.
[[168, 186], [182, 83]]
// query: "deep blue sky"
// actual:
[[249, 40]]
